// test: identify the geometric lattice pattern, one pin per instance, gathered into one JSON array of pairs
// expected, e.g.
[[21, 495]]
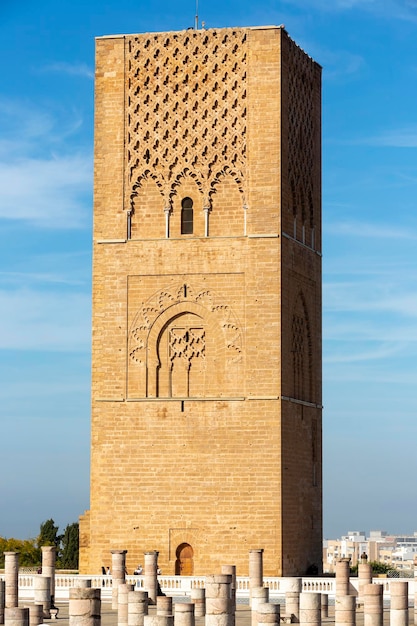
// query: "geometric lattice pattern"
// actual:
[[302, 137], [186, 344], [186, 109]]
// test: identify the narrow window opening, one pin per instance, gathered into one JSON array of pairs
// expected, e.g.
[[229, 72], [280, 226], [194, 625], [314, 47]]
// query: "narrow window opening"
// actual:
[[187, 216], [182, 406]]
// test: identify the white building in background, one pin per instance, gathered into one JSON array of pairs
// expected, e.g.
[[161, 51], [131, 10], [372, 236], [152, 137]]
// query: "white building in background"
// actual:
[[397, 550]]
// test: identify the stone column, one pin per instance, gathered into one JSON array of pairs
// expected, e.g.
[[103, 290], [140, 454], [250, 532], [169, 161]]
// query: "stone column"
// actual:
[[137, 607], [345, 611], [2, 600], [260, 595], [218, 602], [84, 607], [324, 605], [158, 620], [11, 576], [35, 614], [256, 575], [118, 569], [293, 587], [164, 605], [373, 605], [230, 570], [184, 614], [399, 603], [198, 598], [310, 609], [342, 577], [15, 616], [48, 567], [364, 578], [268, 614], [42, 593], [122, 608], [150, 579]]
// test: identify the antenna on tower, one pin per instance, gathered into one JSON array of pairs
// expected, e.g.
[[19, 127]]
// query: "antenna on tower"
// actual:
[[196, 15]]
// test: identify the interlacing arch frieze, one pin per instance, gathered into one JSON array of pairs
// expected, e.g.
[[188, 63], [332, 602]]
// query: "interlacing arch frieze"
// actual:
[[186, 107], [188, 297]]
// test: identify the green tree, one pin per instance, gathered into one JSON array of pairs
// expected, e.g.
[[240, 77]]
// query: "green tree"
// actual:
[[70, 545], [29, 553], [48, 534]]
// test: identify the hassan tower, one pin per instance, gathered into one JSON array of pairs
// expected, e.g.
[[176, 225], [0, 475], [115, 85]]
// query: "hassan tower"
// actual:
[[206, 337]]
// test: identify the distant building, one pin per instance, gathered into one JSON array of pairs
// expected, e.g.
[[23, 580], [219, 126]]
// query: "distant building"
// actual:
[[396, 550]]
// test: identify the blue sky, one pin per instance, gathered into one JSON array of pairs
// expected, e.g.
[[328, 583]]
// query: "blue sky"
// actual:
[[368, 50]]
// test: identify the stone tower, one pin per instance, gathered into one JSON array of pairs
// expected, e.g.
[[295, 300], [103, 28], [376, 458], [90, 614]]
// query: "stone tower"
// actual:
[[206, 371]]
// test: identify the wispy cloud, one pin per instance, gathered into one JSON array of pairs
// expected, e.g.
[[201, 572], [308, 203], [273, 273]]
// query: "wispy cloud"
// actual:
[[72, 69], [52, 193], [391, 9], [45, 321], [44, 179], [394, 138], [369, 230]]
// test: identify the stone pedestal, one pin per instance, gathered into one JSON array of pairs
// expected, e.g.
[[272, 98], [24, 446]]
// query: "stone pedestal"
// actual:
[[260, 595], [48, 567], [137, 607], [345, 611], [292, 588], [158, 620], [198, 598], [164, 605], [230, 570], [118, 573], [399, 603], [84, 607], [42, 593], [218, 600], [184, 614], [310, 609], [256, 576], [35, 614], [150, 578], [11, 577], [122, 606], [373, 605], [268, 614], [15, 616], [342, 577], [83, 583], [364, 578]]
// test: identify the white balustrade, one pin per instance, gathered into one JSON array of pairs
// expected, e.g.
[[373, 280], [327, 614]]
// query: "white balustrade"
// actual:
[[182, 585]]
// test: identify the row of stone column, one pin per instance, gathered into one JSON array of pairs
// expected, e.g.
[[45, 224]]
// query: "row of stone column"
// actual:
[[11, 577]]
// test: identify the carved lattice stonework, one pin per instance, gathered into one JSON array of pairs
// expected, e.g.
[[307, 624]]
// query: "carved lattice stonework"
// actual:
[[186, 109], [302, 137], [186, 344], [184, 328]]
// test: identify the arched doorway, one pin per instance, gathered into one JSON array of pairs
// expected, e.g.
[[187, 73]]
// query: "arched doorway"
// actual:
[[184, 564]]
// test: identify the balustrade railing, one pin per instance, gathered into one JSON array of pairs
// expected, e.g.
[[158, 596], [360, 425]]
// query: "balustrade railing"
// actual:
[[182, 585]]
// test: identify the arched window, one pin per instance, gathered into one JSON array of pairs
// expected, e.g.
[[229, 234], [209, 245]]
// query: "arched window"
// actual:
[[187, 216]]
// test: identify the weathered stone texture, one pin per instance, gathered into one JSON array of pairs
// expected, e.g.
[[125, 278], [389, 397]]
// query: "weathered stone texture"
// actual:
[[206, 371]]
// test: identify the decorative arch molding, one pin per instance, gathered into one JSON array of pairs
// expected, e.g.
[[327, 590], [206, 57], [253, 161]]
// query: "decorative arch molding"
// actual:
[[301, 348], [185, 328], [146, 176]]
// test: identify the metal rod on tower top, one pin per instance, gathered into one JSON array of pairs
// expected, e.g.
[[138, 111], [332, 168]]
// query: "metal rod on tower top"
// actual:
[[196, 15]]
